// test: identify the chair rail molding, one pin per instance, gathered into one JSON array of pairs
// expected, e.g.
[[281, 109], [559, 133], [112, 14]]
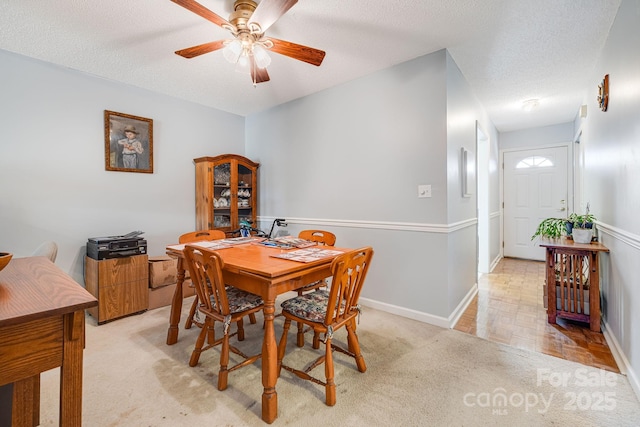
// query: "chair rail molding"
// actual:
[[384, 225], [630, 239]]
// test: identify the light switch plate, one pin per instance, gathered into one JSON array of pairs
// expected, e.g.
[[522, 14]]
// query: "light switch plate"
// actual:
[[424, 191]]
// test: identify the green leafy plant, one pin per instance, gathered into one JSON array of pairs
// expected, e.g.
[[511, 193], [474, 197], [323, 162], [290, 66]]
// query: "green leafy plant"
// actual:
[[552, 228], [582, 221]]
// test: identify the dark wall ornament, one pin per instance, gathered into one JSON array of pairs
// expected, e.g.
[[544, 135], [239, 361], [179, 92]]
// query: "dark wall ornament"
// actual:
[[603, 93]]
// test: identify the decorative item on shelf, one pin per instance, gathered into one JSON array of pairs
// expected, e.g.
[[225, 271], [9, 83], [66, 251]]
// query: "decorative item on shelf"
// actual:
[[603, 93], [221, 221], [5, 257], [222, 174]]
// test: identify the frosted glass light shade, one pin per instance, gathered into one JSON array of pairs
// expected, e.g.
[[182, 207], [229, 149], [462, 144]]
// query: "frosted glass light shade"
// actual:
[[232, 51], [261, 56]]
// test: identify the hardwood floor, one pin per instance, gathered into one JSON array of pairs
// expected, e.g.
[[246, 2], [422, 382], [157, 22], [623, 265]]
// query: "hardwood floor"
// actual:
[[509, 309]]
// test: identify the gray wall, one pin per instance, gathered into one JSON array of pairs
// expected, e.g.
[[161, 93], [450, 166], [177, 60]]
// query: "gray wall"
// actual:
[[53, 180], [612, 172], [555, 134], [349, 159]]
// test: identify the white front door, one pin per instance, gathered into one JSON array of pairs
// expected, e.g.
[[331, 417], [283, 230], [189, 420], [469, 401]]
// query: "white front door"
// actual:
[[535, 188]]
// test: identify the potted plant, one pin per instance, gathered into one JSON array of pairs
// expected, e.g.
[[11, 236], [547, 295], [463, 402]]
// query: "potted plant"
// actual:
[[554, 228], [582, 226]]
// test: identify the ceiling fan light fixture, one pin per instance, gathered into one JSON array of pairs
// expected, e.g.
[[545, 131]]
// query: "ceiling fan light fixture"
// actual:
[[261, 56], [232, 51]]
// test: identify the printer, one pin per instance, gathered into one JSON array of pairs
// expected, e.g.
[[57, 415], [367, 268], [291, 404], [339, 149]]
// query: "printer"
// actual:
[[130, 244]]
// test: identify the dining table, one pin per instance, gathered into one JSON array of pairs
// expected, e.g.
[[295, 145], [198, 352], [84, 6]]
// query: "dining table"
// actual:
[[266, 270], [42, 327]]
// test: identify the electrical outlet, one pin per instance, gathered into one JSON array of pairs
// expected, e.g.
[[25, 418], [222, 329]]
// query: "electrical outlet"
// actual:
[[424, 191]]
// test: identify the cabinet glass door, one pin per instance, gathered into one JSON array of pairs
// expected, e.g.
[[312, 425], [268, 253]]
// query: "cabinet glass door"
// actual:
[[222, 196], [245, 195]]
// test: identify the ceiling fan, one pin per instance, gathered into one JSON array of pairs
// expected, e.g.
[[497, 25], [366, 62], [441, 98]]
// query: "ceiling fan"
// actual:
[[249, 46]]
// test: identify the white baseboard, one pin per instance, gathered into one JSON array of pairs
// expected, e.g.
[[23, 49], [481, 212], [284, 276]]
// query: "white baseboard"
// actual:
[[621, 360], [440, 321], [406, 312], [495, 263], [460, 309]]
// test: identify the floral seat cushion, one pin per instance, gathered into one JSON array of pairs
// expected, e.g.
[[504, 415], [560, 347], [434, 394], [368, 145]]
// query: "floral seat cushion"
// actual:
[[240, 300], [311, 306]]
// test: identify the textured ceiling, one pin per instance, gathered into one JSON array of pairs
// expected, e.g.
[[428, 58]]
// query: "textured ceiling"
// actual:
[[508, 50]]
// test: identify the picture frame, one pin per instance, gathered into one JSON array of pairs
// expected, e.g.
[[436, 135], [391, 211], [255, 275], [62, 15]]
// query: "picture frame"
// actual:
[[128, 143]]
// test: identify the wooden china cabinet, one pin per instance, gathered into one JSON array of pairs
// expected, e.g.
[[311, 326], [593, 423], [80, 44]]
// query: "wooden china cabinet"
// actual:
[[226, 192]]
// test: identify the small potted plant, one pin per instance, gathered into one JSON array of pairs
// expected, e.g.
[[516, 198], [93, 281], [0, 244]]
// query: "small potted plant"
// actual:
[[582, 226]]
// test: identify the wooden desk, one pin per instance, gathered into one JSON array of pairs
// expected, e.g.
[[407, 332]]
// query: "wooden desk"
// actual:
[[41, 328], [251, 267], [571, 266]]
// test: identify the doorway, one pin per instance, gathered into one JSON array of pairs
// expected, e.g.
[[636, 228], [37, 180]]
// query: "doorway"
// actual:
[[535, 186]]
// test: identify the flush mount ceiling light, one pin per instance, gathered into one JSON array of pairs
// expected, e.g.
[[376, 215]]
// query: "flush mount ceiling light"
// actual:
[[530, 104]]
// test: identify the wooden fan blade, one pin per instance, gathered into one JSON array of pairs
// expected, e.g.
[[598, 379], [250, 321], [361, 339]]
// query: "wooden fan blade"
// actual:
[[268, 12], [297, 51], [199, 9], [192, 52], [258, 75]]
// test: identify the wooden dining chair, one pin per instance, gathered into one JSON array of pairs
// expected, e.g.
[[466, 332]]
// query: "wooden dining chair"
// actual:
[[219, 303], [326, 311], [321, 237], [198, 236]]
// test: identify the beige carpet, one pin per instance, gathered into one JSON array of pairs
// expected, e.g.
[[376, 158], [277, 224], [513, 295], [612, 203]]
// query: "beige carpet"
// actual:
[[418, 375]]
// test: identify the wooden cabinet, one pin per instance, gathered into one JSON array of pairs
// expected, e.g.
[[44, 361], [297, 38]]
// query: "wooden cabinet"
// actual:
[[573, 281], [226, 192], [120, 285]]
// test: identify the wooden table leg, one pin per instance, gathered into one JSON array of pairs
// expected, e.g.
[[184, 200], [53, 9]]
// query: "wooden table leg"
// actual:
[[71, 370], [269, 364], [551, 287], [594, 293], [176, 306], [24, 404]]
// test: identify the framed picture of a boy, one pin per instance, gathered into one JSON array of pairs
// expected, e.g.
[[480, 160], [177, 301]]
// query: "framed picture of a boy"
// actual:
[[128, 143]]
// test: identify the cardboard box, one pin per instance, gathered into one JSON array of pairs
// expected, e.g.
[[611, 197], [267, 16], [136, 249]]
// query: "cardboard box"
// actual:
[[162, 296], [163, 271]]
